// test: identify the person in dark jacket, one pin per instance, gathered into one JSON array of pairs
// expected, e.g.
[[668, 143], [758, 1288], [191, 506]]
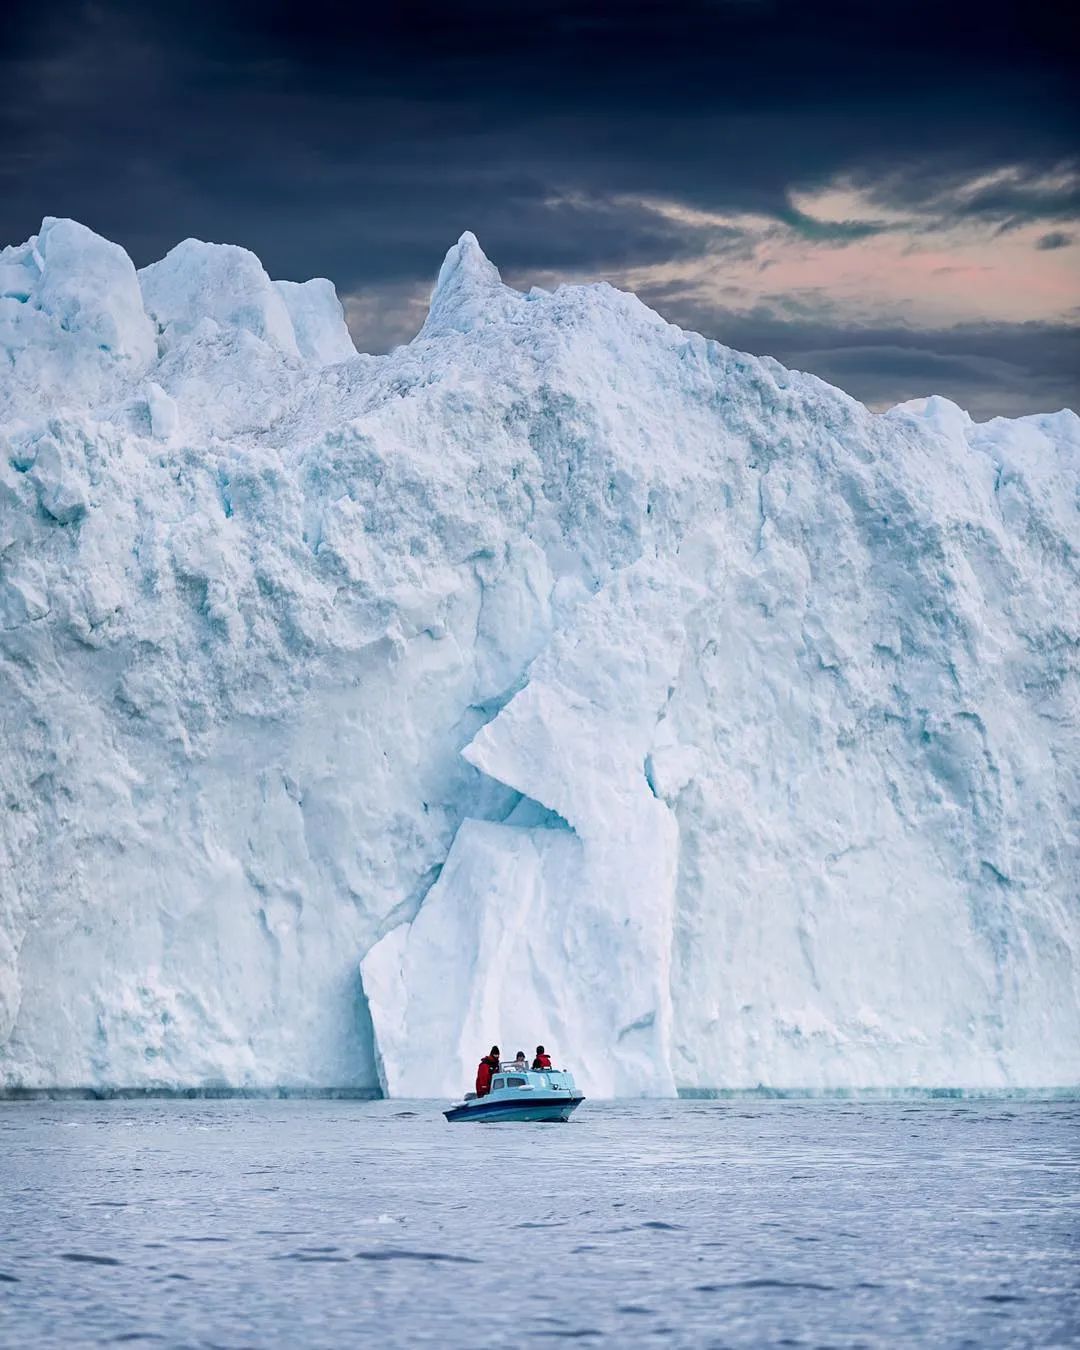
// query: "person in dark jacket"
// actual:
[[489, 1066], [542, 1060]]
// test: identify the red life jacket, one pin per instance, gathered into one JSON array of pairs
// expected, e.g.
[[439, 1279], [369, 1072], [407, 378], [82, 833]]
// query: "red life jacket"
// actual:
[[483, 1076], [542, 1062]]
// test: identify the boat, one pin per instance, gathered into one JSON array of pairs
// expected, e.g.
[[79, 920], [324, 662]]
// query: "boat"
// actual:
[[522, 1094]]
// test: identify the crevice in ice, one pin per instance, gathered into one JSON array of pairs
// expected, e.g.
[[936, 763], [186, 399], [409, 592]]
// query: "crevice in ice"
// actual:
[[642, 1023], [25, 623], [380, 1067], [763, 518], [408, 908], [490, 708], [529, 814], [996, 873], [806, 947], [364, 1039], [224, 491]]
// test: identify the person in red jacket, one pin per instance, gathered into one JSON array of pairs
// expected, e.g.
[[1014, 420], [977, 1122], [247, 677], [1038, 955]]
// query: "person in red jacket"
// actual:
[[489, 1065], [542, 1060]]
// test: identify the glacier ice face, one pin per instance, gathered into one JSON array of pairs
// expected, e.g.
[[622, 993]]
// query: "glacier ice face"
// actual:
[[561, 677]]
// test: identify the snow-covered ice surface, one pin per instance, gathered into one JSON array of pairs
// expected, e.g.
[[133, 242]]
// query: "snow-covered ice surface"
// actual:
[[561, 676], [643, 1223]]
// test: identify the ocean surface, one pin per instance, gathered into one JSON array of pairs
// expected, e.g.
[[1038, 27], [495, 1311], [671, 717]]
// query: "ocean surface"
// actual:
[[739, 1223]]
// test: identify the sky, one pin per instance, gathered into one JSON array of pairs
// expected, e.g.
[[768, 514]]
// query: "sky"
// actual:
[[886, 194]]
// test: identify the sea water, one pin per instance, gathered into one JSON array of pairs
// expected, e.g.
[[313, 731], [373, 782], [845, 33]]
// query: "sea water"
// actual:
[[697, 1223]]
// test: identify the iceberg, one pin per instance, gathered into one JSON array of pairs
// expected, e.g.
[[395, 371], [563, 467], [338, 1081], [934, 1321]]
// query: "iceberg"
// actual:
[[561, 676]]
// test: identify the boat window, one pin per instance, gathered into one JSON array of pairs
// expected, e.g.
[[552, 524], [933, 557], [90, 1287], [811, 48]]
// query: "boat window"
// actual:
[[515, 1082], [498, 1083]]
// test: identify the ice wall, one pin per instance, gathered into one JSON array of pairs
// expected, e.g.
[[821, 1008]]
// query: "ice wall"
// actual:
[[560, 677]]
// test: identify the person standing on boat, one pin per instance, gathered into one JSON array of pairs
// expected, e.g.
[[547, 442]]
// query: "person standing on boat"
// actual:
[[520, 1063], [489, 1066], [542, 1060]]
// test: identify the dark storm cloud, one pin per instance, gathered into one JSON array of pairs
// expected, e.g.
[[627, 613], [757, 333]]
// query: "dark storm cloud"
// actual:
[[362, 140], [1040, 190], [358, 142], [831, 231], [1006, 370], [1055, 239]]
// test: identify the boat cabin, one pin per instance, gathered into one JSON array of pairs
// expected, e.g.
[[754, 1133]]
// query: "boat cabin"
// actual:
[[510, 1081]]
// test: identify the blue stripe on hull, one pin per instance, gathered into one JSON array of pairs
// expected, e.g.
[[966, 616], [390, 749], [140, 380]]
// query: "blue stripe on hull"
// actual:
[[541, 1111]]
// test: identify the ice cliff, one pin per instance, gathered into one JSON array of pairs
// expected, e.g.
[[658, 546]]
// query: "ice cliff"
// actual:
[[560, 676]]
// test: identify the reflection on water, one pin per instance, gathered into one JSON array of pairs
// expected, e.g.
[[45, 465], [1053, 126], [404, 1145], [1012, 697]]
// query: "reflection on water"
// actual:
[[326, 1223]]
